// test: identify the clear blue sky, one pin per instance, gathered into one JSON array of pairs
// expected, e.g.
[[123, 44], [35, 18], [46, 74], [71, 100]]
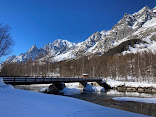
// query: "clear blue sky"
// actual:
[[42, 21]]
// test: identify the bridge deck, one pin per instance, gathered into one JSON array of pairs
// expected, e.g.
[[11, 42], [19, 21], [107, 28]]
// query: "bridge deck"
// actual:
[[45, 80]]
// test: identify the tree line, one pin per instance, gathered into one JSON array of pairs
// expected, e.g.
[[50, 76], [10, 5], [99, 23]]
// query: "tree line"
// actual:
[[131, 67]]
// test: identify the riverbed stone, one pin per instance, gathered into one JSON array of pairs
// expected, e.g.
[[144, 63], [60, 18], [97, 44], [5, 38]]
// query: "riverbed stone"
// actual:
[[131, 89], [154, 90], [121, 88], [148, 90], [141, 90], [53, 89]]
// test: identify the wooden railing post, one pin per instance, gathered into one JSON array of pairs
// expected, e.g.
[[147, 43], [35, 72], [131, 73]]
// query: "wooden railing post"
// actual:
[[14, 80], [25, 79], [43, 78]]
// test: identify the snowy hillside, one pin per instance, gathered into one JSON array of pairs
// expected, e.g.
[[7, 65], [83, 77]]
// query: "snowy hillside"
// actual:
[[140, 25]]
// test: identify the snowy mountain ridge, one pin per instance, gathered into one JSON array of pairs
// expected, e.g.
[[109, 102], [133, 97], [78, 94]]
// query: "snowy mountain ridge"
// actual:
[[140, 25]]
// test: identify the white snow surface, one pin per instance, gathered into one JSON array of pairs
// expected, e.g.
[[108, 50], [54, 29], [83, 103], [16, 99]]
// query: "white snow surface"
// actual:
[[1, 82], [21, 103], [136, 99], [91, 88], [150, 23], [3, 86], [114, 83], [64, 56], [44, 89], [154, 9], [72, 85]]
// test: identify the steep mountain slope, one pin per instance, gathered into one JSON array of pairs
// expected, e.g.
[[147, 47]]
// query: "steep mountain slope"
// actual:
[[33, 53], [140, 25], [126, 29]]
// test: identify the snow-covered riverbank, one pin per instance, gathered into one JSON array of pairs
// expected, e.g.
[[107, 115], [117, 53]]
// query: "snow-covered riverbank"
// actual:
[[115, 84], [21, 103], [136, 99]]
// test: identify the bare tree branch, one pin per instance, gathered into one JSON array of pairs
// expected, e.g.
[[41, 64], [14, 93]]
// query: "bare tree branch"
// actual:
[[6, 41]]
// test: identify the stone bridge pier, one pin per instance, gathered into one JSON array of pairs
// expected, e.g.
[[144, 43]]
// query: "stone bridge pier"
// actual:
[[83, 84]]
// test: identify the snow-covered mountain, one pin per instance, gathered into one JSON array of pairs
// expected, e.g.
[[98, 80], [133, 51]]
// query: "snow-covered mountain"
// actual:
[[48, 51], [140, 25], [32, 54], [58, 47]]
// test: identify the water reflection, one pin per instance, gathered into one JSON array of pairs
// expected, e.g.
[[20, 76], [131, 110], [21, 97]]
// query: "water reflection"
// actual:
[[105, 99]]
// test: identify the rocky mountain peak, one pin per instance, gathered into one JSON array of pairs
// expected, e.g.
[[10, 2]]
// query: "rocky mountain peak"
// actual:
[[33, 48], [59, 43], [91, 41], [94, 37], [104, 33], [144, 14], [10, 58], [135, 20], [144, 10], [154, 10]]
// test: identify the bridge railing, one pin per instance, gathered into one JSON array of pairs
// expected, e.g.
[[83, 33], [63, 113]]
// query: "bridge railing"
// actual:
[[35, 80]]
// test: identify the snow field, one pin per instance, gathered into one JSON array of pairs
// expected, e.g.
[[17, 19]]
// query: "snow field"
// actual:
[[21, 103]]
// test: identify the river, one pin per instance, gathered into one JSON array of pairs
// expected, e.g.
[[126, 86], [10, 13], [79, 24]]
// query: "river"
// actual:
[[105, 99]]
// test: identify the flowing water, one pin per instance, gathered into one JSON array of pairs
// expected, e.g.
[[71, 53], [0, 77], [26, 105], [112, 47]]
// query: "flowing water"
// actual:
[[105, 99]]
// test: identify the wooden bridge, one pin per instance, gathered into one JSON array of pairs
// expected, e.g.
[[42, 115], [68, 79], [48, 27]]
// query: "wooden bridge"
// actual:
[[46, 80]]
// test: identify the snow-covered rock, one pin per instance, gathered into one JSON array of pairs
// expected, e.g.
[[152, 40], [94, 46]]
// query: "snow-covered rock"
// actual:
[[92, 88], [44, 89]]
